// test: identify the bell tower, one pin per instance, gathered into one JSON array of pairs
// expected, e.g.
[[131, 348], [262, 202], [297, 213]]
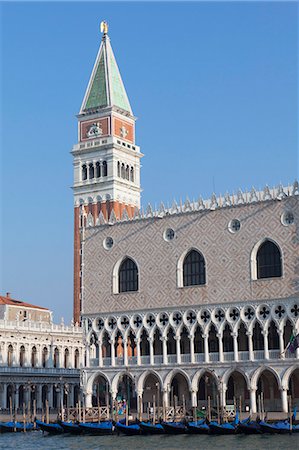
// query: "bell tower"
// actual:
[[106, 158]]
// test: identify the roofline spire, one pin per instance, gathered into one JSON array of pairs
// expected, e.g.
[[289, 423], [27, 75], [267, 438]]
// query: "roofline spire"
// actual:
[[104, 27]]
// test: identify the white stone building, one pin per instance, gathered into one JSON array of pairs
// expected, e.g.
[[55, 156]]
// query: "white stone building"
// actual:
[[39, 360], [194, 301]]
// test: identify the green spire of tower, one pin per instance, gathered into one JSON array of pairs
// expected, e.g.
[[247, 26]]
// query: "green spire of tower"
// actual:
[[105, 88]]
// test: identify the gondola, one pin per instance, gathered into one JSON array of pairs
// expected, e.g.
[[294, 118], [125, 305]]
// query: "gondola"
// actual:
[[70, 427], [224, 428], [280, 427], [96, 428], [249, 427], [130, 430], [51, 428], [10, 427], [150, 428], [174, 427], [199, 427]]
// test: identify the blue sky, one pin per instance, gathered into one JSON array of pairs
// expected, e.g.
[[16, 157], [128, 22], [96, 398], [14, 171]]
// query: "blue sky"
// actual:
[[213, 86]]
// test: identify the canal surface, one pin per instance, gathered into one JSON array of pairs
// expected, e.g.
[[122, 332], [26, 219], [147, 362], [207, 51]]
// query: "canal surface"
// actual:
[[37, 441]]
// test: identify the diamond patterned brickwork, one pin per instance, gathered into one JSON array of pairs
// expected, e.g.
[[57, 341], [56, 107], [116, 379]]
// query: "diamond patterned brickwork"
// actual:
[[227, 257]]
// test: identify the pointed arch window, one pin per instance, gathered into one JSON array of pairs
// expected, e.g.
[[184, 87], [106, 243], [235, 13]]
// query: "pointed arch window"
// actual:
[[194, 270], [91, 171], [127, 173], [104, 169], [132, 174], [268, 260], [128, 276], [84, 172], [118, 169], [98, 170]]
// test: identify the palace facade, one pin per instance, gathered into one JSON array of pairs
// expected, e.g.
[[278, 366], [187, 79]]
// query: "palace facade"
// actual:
[[184, 303], [39, 360]]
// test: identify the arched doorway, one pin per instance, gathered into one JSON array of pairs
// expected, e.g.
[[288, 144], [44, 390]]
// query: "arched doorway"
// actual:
[[237, 392], [100, 392], [268, 391], [126, 394], [207, 391], [152, 392], [179, 391], [294, 388]]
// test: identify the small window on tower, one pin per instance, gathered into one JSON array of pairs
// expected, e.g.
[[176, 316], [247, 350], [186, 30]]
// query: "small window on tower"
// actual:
[[104, 169], [132, 174], [91, 171], [98, 170], [84, 172]]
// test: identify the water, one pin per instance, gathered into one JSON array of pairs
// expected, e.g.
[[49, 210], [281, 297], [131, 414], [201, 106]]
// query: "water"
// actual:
[[36, 441]]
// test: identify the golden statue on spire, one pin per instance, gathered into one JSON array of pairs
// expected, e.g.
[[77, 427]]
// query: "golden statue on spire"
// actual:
[[104, 27]]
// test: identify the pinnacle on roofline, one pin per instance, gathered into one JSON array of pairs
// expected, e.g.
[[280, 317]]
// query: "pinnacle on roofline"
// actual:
[[105, 88], [226, 201]]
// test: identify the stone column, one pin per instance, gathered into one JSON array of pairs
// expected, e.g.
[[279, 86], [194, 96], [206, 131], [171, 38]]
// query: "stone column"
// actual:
[[49, 363], [206, 347], [219, 336], [100, 354], [27, 355], [178, 349], [164, 344], [71, 363], [194, 398], [50, 395], [252, 392], [151, 348], [223, 389], [61, 356], [139, 402], [250, 346], [165, 397], [16, 393], [236, 349], [39, 351], [266, 346], [284, 400], [88, 399], [112, 352], [38, 396], [192, 355], [125, 352], [4, 355], [138, 353], [15, 355], [281, 344], [87, 350]]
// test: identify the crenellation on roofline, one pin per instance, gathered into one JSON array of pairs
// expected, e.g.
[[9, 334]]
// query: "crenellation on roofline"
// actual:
[[215, 202]]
